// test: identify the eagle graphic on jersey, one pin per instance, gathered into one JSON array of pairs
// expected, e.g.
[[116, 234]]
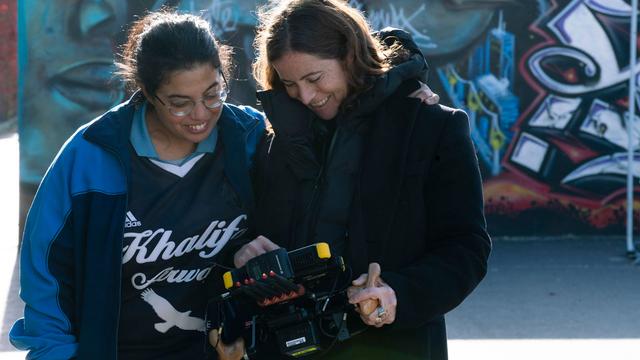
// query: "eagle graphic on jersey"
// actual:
[[170, 315]]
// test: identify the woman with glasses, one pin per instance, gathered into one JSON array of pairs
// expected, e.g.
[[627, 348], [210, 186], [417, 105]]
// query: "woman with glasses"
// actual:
[[123, 239]]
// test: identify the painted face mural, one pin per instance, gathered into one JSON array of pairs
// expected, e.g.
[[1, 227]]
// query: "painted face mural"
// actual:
[[8, 71], [544, 83], [430, 22], [65, 74]]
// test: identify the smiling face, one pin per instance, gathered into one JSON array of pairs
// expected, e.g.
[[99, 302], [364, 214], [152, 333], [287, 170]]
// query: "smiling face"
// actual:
[[176, 136], [320, 84]]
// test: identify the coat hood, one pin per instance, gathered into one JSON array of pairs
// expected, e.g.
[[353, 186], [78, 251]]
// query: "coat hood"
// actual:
[[396, 80]]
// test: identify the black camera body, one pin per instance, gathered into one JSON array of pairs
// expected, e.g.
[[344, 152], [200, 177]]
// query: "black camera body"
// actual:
[[289, 303]]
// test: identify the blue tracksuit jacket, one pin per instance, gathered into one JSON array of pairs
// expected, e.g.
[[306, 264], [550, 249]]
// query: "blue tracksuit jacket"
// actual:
[[71, 255]]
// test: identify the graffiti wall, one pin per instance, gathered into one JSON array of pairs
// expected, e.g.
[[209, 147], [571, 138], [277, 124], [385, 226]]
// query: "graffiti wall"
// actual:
[[544, 83], [8, 83], [562, 164]]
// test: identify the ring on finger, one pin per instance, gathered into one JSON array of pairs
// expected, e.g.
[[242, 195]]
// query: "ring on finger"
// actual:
[[381, 312]]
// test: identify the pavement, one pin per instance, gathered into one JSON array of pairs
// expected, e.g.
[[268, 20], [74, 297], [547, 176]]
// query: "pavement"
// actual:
[[559, 298], [562, 298]]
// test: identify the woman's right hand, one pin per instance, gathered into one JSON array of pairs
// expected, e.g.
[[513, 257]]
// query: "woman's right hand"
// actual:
[[426, 95], [257, 246]]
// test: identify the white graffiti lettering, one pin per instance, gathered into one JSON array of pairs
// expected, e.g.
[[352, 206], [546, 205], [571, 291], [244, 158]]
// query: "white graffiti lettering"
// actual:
[[222, 17], [396, 17]]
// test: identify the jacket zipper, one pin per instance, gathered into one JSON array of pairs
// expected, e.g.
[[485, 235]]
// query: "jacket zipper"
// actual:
[[313, 203]]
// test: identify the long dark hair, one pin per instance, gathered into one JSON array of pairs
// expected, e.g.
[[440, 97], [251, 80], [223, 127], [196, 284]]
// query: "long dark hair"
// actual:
[[328, 29], [163, 42]]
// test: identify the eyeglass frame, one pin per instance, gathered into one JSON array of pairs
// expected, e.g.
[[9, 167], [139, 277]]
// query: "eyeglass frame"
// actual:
[[222, 95]]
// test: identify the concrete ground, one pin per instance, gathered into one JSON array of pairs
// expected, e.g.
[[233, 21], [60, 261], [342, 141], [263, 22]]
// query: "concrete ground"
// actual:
[[572, 298], [552, 299]]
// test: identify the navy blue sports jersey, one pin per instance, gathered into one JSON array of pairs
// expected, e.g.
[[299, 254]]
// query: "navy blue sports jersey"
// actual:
[[174, 229]]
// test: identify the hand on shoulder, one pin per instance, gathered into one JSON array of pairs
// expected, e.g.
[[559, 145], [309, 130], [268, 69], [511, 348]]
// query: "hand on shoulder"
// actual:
[[425, 94]]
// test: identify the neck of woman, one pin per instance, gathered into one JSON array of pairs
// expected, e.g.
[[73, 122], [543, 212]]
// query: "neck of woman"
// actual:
[[167, 146]]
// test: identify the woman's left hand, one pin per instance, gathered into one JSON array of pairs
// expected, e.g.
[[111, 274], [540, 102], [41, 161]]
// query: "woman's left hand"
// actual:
[[425, 95], [385, 313], [233, 351]]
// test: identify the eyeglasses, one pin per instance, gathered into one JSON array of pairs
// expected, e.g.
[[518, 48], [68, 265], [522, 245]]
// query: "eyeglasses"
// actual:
[[185, 107]]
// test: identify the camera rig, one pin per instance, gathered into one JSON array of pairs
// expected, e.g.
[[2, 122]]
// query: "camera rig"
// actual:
[[291, 303]]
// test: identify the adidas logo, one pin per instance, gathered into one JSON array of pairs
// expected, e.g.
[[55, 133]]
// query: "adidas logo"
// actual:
[[131, 221]]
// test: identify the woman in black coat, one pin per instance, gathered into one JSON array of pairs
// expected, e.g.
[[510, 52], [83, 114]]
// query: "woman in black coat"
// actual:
[[354, 162]]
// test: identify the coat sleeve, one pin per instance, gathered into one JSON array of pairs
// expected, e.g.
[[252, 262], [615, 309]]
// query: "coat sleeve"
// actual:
[[457, 251], [46, 330]]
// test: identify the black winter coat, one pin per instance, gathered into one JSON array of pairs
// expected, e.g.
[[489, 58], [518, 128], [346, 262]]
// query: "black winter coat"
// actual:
[[417, 207], [418, 211]]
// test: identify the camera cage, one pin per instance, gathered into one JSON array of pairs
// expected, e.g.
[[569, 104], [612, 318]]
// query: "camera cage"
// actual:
[[295, 298]]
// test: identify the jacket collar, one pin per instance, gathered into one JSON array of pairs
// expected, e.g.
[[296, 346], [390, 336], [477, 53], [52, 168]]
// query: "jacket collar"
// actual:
[[393, 82], [111, 131]]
